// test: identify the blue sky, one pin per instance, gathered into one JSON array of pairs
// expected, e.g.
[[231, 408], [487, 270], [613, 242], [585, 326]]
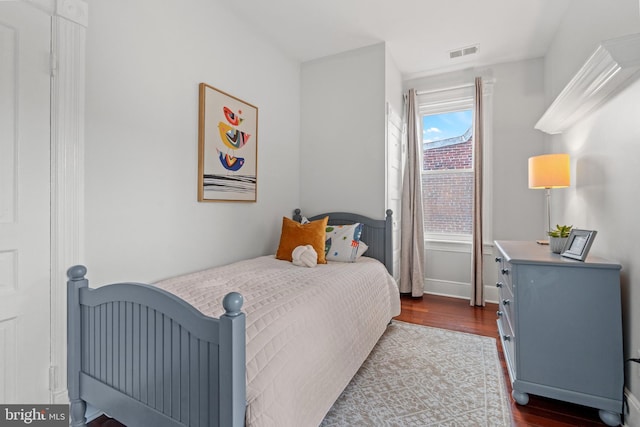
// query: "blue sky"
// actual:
[[447, 125]]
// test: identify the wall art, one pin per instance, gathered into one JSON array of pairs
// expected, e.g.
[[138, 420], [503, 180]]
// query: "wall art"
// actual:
[[227, 147]]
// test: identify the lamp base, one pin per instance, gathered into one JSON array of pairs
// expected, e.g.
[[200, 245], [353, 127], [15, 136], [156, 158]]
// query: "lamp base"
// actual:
[[542, 242]]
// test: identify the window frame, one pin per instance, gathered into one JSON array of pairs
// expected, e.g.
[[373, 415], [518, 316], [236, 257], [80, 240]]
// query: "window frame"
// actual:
[[454, 99], [458, 100]]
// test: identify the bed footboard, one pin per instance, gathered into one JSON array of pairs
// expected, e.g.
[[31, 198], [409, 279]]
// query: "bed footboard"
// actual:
[[146, 357]]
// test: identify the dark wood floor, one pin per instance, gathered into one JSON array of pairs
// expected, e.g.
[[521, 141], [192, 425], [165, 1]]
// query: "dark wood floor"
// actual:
[[456, 314]]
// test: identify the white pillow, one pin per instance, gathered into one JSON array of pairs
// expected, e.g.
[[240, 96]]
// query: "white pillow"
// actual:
[[362, 248], [342, 242]]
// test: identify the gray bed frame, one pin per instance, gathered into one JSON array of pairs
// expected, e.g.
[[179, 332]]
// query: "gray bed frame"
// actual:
[[148, 358]]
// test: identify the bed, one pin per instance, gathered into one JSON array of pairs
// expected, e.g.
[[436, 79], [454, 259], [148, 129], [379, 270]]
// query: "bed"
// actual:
[[260, 342]]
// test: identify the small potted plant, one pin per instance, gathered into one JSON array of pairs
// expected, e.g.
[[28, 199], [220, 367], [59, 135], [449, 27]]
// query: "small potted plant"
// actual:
[[558, 237]]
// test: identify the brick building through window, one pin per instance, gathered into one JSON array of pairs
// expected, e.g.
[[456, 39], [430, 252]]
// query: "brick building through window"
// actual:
[[447, 184]]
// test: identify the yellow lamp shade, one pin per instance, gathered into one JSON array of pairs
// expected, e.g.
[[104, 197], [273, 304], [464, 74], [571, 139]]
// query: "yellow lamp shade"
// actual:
[[549, 171]]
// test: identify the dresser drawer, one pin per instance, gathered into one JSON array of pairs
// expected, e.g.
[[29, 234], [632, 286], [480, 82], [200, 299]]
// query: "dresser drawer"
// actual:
[[506, 305], [507, 338], [504, 273]]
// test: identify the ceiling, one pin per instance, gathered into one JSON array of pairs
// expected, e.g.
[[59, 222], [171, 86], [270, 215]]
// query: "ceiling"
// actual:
[[419, 33]]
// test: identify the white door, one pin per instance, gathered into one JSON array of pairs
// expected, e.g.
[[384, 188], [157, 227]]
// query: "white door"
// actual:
[[25, 34], [394, 180]]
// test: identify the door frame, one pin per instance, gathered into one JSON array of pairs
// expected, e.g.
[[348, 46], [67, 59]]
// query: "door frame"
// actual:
[[395, 120], [69, 21]]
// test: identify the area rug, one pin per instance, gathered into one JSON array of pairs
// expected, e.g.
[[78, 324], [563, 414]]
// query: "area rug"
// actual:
[[423, 376]]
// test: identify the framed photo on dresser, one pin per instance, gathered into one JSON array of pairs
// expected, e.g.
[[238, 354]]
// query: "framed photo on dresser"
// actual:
[[578, 244]]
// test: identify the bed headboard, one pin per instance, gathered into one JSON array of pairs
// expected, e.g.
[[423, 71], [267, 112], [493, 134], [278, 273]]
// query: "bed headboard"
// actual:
[[376, 233]]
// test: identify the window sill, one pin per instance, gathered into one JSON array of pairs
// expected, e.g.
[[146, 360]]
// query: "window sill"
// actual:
[[451, 245], [447, 237]]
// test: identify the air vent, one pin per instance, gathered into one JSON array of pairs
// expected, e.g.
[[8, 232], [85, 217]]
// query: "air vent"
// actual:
[[469, 50], [464, 51]]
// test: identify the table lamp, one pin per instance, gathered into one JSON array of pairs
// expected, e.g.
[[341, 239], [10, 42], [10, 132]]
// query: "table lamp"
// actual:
[[549, 171]]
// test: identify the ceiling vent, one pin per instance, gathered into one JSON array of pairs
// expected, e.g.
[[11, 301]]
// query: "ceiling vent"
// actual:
[[464, 51]]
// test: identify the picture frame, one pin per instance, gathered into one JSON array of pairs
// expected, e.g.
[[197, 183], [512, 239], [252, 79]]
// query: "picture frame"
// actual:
[[227, 147], [578, 244]]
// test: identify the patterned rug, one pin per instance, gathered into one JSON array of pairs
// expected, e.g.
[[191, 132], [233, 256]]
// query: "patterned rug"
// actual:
[[422, 376]]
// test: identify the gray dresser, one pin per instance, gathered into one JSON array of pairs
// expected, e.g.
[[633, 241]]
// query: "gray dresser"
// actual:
[[560, 326]]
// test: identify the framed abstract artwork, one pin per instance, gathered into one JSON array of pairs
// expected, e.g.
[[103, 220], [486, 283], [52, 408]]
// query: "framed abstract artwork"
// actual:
[[227, 147]]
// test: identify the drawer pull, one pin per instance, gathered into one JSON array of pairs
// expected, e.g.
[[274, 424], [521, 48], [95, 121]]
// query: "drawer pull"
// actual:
[[504, 271], [499, 313], [505, 302], [498, 284], [506, 337], [498, 259]]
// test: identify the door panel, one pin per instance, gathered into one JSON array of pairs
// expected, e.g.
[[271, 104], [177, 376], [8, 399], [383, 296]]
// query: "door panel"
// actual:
[[25, 34], [394, 180]]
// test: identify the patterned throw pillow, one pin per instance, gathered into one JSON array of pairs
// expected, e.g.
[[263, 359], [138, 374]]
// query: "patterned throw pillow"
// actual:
[[342, 242]]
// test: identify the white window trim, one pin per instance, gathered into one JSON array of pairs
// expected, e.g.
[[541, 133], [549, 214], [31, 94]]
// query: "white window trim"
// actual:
[[455, 99], [445, 171], [447, 237]]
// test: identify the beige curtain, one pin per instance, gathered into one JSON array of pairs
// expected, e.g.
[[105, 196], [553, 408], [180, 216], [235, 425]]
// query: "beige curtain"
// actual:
[[477, 291], [412, 228]]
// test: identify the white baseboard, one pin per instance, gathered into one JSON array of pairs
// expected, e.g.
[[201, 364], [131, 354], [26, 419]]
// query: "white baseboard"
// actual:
[[61, 396], [446, 288], [632, 417]]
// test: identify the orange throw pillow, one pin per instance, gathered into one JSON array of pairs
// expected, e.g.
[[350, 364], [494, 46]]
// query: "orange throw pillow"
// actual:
[[295, 234]]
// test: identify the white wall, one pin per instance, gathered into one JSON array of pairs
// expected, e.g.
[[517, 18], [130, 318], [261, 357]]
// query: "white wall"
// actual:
[[604, 149], [393, 84], [586, 23], [517, 212], [342, 151], [144, 64]]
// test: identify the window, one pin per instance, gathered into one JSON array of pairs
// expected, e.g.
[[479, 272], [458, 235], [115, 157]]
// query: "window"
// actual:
[[447, 167], [447, 172]]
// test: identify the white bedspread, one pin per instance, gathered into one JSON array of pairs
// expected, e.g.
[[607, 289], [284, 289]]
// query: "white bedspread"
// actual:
[[308, 329]]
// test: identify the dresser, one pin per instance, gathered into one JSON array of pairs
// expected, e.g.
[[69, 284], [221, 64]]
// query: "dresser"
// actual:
[[560, 326]]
